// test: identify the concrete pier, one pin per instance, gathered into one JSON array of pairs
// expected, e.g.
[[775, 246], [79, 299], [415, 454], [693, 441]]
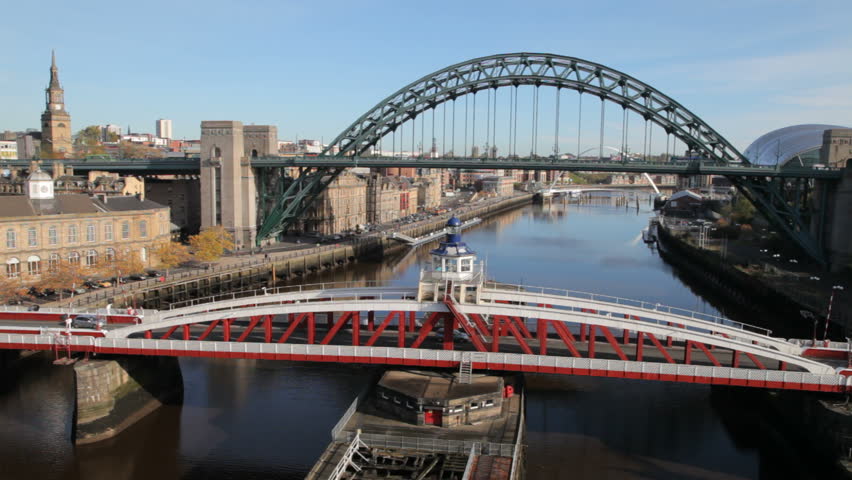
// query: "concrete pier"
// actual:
[[116, 393]]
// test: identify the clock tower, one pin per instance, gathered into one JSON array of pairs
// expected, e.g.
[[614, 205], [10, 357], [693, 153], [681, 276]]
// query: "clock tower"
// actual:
[[55, 121]]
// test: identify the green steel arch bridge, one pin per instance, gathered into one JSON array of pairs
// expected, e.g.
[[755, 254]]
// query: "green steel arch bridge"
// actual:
[[783, 195]]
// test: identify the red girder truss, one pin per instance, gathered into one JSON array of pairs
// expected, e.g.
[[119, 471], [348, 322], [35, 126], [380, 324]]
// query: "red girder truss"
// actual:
[[579, 340]]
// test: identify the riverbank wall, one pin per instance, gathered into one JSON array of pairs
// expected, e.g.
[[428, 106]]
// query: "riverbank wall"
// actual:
[[747, 292], [294, 264], [116, 393]]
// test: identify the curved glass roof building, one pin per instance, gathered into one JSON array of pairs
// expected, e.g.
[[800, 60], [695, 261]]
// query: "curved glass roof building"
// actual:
[[797, 143]]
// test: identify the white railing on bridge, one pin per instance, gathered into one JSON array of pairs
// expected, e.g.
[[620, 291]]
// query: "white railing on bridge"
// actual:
[[261, 292], [825, 374], [627, 302]]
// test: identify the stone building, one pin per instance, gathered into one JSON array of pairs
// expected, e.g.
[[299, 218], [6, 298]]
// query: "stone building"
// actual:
[[499, 186], [340, 207], [40, 229], [55, 121], [836, 147], [431, 398], [389, 198], [429, 192]]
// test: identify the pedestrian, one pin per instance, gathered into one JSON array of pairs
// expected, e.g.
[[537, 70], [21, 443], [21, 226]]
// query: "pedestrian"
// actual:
[[266, 256], [67, 319]]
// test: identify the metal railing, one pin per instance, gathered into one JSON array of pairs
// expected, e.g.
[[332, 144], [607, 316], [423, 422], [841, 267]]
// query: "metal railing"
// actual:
[[432, 444], [347, 460], [627, 302], [260, 293], [516, 454], [816, 373], [347, 415]]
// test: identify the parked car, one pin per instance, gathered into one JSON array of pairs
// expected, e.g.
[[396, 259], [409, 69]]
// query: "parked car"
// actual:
[[155, 273], [91, 284], [86, 321], [104, 284], [137, 276]]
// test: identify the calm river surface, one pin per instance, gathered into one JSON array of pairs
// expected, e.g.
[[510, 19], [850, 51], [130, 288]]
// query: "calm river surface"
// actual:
[[246, 419]]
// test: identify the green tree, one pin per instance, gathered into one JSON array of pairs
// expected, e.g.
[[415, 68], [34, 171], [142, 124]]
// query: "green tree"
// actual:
[[743, 210], [210, 244]]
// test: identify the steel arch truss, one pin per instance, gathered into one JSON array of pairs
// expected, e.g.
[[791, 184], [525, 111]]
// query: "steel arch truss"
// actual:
[[769, 196], [513, 70], [292, 203]]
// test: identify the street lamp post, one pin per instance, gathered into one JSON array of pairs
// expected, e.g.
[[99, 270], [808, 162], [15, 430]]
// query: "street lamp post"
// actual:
[[834, 290]]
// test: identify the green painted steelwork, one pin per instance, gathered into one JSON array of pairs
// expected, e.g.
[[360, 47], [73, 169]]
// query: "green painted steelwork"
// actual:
[[537, 69], [295, 200], [786, 215]]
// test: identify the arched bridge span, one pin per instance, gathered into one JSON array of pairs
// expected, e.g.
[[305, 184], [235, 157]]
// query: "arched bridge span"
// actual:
[[537, 69]]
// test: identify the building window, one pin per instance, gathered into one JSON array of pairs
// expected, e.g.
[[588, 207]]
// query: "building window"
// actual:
[[489, 403], [143, 255], [74, 258], [34, 265], [32, 237], [13, 268], [108, 232], [11, 239], [109, 256], [91, 232], [143, 229], [53, 262], [474, 405], [91, 258], [72, 233], [125, 230], [466, 265], [52, 235]]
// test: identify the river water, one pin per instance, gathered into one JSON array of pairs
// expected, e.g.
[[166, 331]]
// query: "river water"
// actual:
[[247, 419]]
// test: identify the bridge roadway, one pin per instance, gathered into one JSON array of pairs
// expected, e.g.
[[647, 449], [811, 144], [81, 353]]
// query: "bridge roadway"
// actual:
[[515, 328], [154, 166]]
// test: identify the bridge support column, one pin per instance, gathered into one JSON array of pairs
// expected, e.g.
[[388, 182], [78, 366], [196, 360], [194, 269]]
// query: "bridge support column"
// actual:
[[114, 394], [832, 220], [228, 193]]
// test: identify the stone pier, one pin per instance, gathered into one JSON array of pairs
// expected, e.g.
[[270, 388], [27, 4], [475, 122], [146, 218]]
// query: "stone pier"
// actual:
[[115, 393]]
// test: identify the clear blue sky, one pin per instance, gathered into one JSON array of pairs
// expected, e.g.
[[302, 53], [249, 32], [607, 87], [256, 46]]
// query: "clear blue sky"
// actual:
[[311, 68]]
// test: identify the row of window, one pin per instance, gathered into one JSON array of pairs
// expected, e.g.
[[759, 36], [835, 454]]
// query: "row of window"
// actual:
[[72, 234], [455, 409], [34, 267]]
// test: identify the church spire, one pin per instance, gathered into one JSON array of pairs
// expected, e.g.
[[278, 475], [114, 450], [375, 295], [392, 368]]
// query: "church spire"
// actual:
[[54, 71]]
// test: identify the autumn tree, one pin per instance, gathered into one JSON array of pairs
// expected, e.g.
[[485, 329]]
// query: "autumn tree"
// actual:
[[123, 262], [62, 275], [171, 254], [135, 150], [9, 289], [211, 243]]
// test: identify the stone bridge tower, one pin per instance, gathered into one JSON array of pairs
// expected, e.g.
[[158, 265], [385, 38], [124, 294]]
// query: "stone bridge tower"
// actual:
[[228, 189]]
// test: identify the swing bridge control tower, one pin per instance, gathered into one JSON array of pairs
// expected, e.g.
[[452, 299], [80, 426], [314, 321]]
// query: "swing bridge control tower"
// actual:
[[453, 270]]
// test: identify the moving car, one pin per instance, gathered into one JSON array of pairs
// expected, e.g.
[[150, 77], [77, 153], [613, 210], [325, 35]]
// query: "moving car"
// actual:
[[86, 321]]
